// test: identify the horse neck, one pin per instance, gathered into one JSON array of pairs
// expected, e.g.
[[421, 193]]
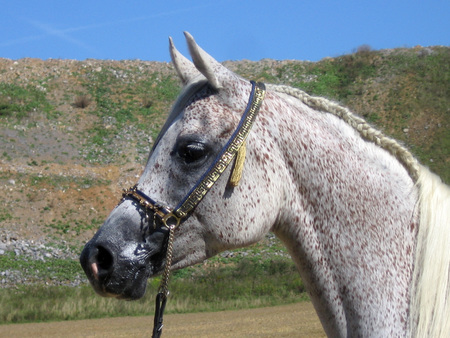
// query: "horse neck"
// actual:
[[349, 220]]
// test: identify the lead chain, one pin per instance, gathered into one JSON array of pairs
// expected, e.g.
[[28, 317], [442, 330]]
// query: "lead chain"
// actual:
[[163, 290], [164, 286]]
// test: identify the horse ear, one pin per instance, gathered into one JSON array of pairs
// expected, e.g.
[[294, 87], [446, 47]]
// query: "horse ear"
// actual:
[[185, 68], [204, 62]]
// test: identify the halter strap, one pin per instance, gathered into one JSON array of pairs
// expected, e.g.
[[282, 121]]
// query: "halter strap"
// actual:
[[227, 154], [174, 216]]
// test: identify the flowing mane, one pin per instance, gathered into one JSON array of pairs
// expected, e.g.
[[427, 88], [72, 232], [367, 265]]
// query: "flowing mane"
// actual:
[[430, 294]]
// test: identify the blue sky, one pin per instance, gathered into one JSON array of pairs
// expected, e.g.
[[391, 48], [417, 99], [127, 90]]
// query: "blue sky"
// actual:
[[227, 29]]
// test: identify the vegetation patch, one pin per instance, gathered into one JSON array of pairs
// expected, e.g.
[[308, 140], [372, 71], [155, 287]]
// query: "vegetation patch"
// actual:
[[246, 284], [18, 101], [41, 270], [125, 112]]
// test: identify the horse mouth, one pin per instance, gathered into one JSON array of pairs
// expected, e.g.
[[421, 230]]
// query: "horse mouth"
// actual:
[[115, 277], [127, 285]]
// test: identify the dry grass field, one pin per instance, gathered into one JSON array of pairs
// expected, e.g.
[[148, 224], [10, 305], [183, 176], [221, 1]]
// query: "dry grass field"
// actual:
[[295, 320]]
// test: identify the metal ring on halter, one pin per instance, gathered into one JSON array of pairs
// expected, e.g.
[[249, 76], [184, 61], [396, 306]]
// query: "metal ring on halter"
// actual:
[[169, 216]]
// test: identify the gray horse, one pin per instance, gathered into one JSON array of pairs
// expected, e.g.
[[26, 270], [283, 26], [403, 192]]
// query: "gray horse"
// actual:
[[367, 226]]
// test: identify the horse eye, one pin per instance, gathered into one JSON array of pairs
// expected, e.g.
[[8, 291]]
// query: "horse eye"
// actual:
[[192, 152]]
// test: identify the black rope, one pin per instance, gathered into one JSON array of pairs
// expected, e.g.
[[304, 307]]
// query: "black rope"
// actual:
[[161, 300]]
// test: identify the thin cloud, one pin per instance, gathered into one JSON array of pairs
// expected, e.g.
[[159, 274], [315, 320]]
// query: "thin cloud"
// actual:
[[22, 40], [64, 33], [60, 33]]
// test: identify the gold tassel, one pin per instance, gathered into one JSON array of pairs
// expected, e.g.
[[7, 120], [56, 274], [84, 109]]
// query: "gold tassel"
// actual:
[[236, 173]]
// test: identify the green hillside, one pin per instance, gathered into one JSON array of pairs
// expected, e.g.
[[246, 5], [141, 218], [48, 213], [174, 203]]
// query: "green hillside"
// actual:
[[73, 134]]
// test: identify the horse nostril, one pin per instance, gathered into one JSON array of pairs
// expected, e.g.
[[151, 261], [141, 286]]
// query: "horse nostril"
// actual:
[[94, 269], [104, 261]]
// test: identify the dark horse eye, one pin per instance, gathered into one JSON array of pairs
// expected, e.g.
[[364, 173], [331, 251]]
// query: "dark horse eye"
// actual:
[[192, 152]]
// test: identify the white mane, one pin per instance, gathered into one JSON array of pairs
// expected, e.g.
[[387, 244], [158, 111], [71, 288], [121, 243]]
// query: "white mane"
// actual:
[[430, 291]]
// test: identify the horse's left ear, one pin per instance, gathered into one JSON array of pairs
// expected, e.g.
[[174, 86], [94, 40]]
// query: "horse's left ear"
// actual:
[[204, 62]]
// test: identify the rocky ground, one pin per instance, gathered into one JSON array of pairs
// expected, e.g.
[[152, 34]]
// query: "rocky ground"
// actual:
[[31, 250]]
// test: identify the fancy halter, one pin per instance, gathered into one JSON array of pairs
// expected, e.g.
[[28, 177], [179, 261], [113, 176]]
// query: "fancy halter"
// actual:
[[174, 216], [171, 218]]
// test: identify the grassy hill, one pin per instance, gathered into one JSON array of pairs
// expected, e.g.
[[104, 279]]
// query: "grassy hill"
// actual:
[[74, 133]]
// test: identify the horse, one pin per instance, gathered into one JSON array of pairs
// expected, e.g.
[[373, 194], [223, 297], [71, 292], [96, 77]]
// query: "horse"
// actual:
[[365, 223]]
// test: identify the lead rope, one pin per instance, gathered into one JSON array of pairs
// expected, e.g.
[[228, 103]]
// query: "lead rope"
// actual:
[[163, 291], [234, 148]]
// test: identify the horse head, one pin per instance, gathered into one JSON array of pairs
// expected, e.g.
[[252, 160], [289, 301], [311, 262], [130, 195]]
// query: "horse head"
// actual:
[[131, 245]]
